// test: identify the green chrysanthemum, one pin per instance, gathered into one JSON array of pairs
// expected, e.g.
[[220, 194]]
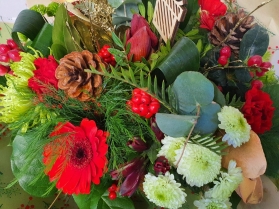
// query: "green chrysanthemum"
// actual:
[[17, 97], [197, 164], [227, 183], [164, 191], [170, 145], [212, 204], [235, 125]]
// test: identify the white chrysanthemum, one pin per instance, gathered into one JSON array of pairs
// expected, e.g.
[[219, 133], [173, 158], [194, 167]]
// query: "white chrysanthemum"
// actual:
[[164, 191], [235, 125], [227, 183], [170, 145], [198, 164], [212, 204]]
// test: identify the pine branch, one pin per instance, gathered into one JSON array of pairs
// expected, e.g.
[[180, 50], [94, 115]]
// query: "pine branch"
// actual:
[[234, 101], [151, 87]]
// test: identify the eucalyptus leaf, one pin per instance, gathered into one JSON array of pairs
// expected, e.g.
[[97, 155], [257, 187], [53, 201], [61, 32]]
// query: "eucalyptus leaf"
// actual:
[[29, 180], [184, 56], [219, 96], [124, 12], [192, 89], [254, 42], [208, 120], [175, 125]]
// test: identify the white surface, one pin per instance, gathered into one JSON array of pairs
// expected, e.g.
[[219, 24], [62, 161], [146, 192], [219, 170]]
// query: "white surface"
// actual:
[[9, 9]]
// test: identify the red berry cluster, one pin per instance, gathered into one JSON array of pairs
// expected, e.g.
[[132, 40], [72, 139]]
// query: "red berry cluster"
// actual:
[[225, 54], [143, 104], [9, 52], [112, 191], [106, 56], [257, 62]]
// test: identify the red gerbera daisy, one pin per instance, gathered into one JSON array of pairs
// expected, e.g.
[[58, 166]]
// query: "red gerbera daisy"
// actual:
[[76, 157]]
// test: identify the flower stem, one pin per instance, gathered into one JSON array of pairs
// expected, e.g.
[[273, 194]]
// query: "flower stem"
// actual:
[[54, 200], [189, 135]]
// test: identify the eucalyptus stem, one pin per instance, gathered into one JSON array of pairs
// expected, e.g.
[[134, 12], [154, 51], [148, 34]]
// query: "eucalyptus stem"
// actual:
[[189, 135]]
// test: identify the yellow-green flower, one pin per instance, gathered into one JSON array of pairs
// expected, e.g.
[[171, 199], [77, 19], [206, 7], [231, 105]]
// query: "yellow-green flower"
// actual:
[[235, 125], [197, 164], [212, 204], [164, 191], [227, 183], [170, 145]]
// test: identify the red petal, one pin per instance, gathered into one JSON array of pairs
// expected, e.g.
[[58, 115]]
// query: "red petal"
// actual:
[[89, 127]]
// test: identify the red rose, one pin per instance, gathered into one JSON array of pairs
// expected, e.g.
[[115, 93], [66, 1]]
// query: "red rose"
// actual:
[[43, 75], [210, 11], [258, 110]]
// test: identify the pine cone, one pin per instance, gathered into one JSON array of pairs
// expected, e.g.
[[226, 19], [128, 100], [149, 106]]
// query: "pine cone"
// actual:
[[74, 80], [223, 27]]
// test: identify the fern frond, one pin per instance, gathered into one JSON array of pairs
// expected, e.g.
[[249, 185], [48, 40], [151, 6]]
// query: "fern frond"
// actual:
[[210, 142]]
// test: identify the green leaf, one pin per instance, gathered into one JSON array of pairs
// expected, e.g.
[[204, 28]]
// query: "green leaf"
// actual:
[[208, 120], [29, 180], [150, 11], [175, 125], [98, 199], [3, 81], [29, 23], [219, 96], [123, 13], [141, 9], [190, 89], [270, 139], [184, 56], [43, 40], [153, 151], [199, 45], [254, 42], [117, 40]]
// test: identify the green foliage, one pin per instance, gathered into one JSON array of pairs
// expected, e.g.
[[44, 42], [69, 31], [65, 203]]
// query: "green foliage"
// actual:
[[27, 165], [124, 12], [254, 42], [98, 199], [3, 81], [214, 144], [184, 56], [65, 37], [270, 139], [233, 101], [39, 8], [158, 57]]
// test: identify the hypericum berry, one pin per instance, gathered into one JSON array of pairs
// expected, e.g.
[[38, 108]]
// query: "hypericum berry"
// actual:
[[255, 60], [106, 55], [225, 51], [264, 67], [112, 188], [112, 195], [257, 83], [4, 48], [143, 104], [14, 55], [3, 70], [4, 57], [12, 44], [223, 60]]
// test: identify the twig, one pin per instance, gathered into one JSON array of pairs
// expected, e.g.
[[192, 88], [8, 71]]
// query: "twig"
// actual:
[[242, 19], [54, 200], [189, 135]]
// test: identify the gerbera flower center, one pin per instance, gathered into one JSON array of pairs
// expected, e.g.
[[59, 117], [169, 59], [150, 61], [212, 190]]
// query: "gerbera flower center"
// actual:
[[81, 153]]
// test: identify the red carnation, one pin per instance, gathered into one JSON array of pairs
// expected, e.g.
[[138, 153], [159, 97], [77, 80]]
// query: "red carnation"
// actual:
[[43, 75], [76, 157], [258, 110], [210, 11]]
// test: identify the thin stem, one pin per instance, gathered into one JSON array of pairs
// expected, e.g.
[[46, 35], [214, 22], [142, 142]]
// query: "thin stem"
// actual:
[[242, 19], [189, 135], [54, 200]]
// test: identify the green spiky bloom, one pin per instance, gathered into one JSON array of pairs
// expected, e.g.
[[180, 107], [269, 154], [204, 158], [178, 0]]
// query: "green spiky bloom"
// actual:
[[212, 204], [235, 125], [164, 191], [197, 164], [227, 183], [170, 145], [17, 97]]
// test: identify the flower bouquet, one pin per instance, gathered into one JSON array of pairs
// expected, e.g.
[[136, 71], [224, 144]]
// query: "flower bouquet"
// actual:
[[141, 104]]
